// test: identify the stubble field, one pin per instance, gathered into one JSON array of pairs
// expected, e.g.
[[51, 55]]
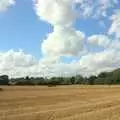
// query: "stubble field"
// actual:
[[60, 103]]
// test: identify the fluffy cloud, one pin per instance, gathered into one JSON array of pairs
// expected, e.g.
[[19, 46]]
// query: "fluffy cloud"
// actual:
[[66, 41], [115, 44], [115, 27], [11, 62], [4, 4], [55, 11], [99, 40], [63, 42], [61, 14], [96, 9], [91, 63], [66, 11], [100, 61]]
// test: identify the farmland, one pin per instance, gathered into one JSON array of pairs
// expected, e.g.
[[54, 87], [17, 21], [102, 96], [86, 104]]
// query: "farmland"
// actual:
[[60, 103]]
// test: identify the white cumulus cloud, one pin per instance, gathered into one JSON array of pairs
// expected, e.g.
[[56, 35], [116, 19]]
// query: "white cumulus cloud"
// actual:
[[66, 11], [20, 64], [11, 62], [55, 11], [95, 8], [66, 41], [63, 42], [5, 4], [115, 27], [101, 61], [99, 40]]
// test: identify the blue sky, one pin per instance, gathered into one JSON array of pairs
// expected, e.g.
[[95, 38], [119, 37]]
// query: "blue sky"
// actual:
[[43, 32], [22, 28]]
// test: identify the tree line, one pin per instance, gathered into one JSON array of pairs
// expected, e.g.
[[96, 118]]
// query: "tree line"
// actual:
[[104, 78]]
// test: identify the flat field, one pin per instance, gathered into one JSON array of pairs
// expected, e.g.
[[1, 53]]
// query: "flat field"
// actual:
[[60, 103]]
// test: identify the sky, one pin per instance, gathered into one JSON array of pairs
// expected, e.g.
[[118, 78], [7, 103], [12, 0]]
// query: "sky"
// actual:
[[59, 37]]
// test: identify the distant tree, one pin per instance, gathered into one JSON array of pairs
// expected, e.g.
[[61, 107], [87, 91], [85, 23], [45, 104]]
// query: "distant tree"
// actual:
[[72, 80], [27, 78], [102, 75], [92, 80], [103, 78], [79, 79], [4, 80], [67, 81], [38, 81]]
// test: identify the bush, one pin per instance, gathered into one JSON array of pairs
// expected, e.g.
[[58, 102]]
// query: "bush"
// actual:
[[51, 85], [4, 80], [1, 89]]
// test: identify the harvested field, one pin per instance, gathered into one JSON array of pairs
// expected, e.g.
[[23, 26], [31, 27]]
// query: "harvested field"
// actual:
[[60, 103]]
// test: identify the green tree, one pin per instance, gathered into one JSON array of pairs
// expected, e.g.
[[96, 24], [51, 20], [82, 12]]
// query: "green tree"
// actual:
[[92, 80], [4, 80]]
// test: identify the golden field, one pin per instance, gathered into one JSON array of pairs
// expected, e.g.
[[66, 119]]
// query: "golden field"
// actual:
[[60, 103]]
